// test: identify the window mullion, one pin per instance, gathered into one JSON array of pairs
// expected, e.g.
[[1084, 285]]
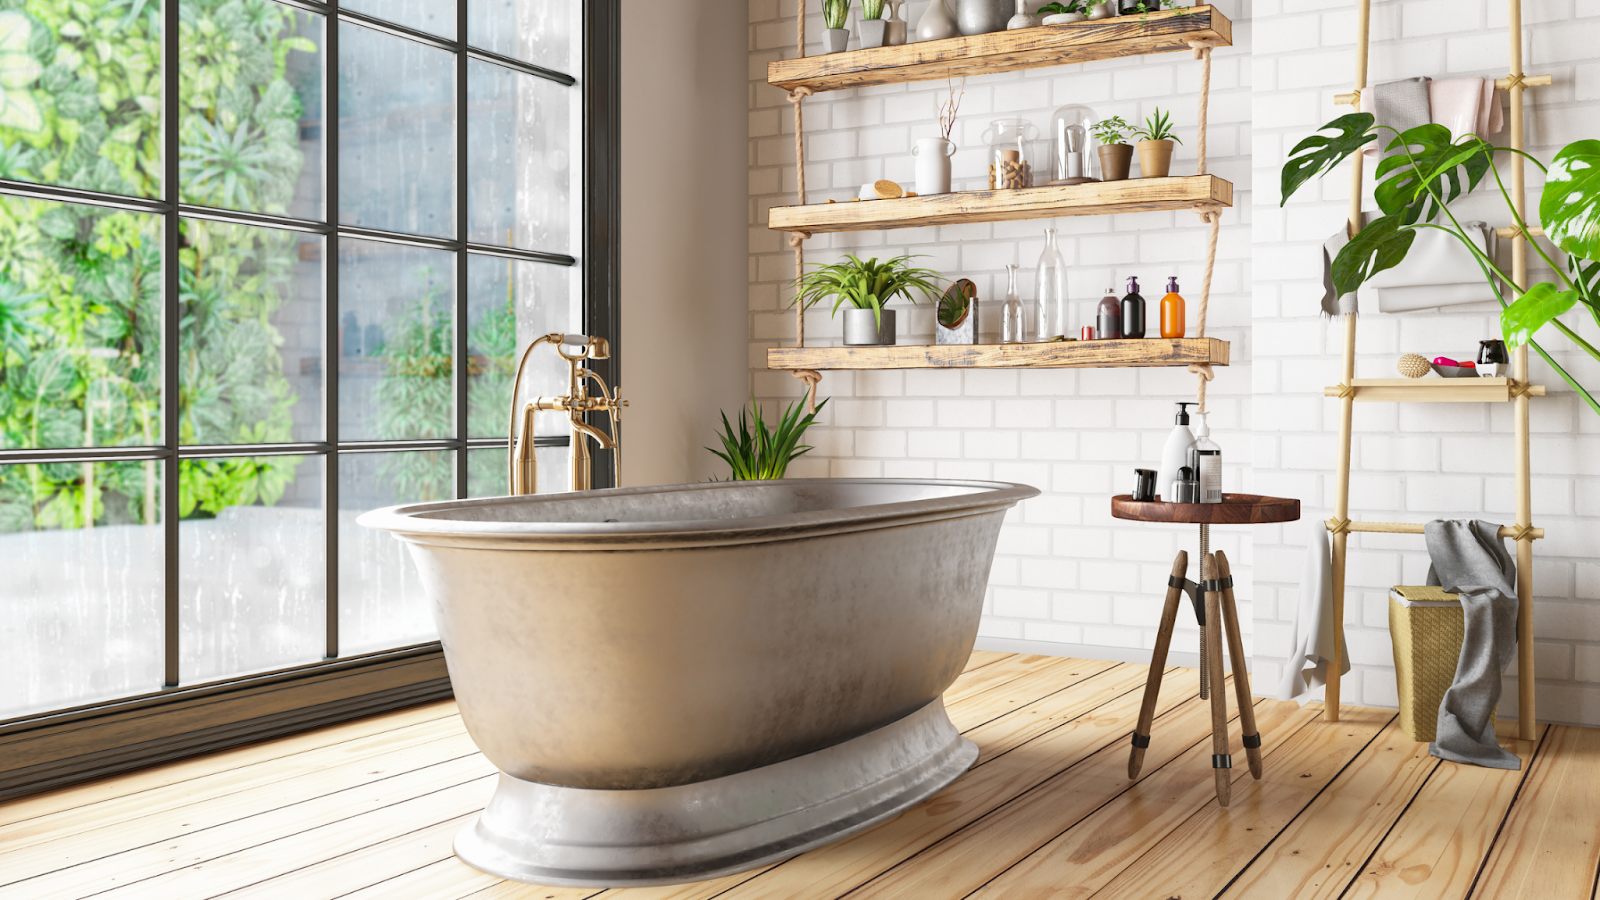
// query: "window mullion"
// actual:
[[461, 364], [330, 341], [171, 280]]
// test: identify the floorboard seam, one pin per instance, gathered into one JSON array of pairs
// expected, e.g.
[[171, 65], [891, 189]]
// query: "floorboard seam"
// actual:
[[1527, 772], [1024, 706]]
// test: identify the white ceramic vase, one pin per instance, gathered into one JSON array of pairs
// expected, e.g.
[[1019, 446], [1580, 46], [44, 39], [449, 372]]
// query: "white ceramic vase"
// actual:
[[936, 23], [1022, 18], [933, 165]]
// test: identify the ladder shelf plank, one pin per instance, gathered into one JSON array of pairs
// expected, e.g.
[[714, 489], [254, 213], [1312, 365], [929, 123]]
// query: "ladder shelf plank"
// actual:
[[1139, 352], [1005, 51], [1434, 390], [1095, 198]]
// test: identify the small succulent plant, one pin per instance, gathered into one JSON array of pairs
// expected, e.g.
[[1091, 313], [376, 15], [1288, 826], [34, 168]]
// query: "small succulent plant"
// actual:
[[1158, 127], [835, 12]]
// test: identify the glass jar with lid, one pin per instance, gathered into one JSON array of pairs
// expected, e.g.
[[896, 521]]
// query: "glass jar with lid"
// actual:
[[1009, 165], [1073, 160]]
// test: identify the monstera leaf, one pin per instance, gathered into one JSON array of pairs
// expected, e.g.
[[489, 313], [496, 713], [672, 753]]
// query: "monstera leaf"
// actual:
[[1318, 154], [1434, 162], [1381, 245], [1570, 203], [1533, 310]]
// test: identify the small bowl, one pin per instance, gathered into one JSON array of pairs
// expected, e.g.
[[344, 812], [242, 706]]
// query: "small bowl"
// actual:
[[1064, 18], [1453, 371]]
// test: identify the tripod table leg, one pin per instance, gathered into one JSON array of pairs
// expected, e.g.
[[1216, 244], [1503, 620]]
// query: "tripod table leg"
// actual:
[[1221, 759], [1158, 662], [1241, 678]]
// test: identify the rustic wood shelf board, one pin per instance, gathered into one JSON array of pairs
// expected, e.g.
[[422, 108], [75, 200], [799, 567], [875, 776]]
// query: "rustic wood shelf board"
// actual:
[[1434, 390], [1095, 198], [1006, 51], [1144, 352]]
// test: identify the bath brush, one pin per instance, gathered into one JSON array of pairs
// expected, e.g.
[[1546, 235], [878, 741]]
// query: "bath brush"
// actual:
[[1413, 366]]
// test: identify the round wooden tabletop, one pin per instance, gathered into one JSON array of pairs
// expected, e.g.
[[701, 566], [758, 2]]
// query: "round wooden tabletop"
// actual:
[[1235, 509]]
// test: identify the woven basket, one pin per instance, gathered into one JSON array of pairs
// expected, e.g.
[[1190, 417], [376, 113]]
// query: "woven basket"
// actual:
[[1427, 646]]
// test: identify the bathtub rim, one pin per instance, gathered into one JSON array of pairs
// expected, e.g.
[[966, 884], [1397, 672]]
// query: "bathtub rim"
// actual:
[[409, 522]]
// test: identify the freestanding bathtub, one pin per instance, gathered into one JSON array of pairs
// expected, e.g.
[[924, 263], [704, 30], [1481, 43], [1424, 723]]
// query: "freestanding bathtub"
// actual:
[[685, 681]]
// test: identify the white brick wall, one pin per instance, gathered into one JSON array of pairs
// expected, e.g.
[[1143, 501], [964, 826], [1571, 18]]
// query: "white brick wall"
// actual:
[[1066, 572], [1415, 462]]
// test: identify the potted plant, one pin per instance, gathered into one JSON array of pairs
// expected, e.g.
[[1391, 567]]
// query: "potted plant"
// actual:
[[1155, 145], [873, 25], [1056, 13], [1427, 174], [764, 453], [867, 286], [835, 37], [958, 314], [1115, 152]]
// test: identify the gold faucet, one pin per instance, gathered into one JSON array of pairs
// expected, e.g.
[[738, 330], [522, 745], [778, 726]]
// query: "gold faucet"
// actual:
[[524, 467]]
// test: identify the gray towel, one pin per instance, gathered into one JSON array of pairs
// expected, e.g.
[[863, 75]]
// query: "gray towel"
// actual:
[[1401, 105], [1470, 559], [1344, 304]]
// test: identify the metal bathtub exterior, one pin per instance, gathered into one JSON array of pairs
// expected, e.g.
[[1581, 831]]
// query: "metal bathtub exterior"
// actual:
[[678, 682]]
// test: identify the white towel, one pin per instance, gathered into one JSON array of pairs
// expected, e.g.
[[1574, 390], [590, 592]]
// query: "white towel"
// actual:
[[1312, 643], [1465, 106], [1438, 271]]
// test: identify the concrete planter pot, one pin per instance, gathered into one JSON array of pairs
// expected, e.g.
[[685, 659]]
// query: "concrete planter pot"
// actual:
[[1114, 161], [873, 32], [835, 40], [1155, 159], [862, 329], [1064, 18]]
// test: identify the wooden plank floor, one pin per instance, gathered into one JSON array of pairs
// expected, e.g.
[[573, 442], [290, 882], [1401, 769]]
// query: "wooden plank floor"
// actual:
[[1354, 810]]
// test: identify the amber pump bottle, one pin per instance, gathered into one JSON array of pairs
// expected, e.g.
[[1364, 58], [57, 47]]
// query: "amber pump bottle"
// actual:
[[1133, 311], [1173, 315]]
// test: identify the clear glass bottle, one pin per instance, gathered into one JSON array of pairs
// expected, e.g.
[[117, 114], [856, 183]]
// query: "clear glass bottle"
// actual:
[[1050, 292], [1013, 318]]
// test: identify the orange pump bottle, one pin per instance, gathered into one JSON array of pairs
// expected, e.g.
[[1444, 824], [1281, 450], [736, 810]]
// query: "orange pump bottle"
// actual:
[[1172, 312]]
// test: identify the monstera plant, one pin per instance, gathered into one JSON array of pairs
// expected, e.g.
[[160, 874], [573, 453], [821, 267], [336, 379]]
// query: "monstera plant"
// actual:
[[1426, 172]]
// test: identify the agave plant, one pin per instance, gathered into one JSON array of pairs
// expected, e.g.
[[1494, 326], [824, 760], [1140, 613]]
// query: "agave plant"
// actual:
[[835, 12], [1425, 175], [1157, 127], [764, 453], [866, 285]]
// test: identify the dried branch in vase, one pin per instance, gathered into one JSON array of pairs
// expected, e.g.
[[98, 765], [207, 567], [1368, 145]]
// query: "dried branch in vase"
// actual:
[[948, 108]]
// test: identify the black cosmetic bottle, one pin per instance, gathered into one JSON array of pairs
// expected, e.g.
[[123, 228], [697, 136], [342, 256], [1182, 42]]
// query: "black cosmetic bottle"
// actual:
[[1133, 311]]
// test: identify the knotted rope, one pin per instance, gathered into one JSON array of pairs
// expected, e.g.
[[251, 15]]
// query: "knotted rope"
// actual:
[[1338, 526], [1520, 532], [812, 378], [1201, 50], [797, 238]]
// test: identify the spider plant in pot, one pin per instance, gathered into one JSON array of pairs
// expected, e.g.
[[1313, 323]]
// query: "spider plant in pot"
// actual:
[[867, 286], [1155, 145], [873, 24], [1426, 172], [764, 453], [1115, 152], [835, 37]]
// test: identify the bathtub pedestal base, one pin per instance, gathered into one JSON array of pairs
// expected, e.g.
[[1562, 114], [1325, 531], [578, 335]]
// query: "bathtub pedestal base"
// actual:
[[547, 834]]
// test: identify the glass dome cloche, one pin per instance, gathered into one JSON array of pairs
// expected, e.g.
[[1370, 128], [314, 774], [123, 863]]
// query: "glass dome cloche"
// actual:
[[1072, 156]]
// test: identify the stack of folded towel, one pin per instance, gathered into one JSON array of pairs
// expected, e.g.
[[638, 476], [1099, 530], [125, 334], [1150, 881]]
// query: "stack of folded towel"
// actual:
[[1463, 105]]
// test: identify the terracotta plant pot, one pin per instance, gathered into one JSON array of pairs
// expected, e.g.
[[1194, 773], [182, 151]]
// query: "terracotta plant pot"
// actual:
[[1114, 161], [1155, 159]]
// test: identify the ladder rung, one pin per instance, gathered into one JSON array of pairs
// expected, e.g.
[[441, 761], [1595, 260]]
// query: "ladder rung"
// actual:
[[1414, 528]]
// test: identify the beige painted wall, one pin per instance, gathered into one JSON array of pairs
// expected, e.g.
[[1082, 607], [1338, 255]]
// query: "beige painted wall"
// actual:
[[684, 319]]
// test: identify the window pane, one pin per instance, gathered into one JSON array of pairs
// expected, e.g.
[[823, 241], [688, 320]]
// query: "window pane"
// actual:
[[397, 340], [396, 134], [511, 303], [80, 602], [80, 326], [251, 349], [543, 32], [80, 96], [487, 471], [381, 601], [252, 97], [436, 17], [520, 160], [252, 565]]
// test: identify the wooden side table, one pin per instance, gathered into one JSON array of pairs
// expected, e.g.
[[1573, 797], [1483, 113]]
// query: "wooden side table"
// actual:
[[1216, 613]]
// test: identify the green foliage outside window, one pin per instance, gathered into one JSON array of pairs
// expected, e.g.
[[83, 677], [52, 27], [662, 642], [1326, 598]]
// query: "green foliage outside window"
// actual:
[[80, 288]]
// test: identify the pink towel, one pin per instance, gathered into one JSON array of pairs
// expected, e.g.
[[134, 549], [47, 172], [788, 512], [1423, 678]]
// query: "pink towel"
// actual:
[[1465, 106]]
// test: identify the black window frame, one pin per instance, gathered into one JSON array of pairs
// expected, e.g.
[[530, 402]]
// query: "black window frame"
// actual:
[[49, 749]]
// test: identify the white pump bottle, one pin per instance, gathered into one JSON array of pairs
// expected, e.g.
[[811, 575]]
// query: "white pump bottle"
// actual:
[[1175, 455], [1205, 457]]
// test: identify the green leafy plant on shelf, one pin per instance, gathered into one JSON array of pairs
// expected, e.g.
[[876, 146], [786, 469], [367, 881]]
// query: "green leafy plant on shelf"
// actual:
[[1061, 9], [866, 285], [760, 452], [835, 13], [1157, 127], [80, 287], [871, 9], [1429, 172], [956, 303], [1112, 130]]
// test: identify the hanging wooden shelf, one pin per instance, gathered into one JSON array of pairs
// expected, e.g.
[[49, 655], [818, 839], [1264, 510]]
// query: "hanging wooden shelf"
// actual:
[[1141, 352], [1006, 51], [1435, 390], [1096, 198]]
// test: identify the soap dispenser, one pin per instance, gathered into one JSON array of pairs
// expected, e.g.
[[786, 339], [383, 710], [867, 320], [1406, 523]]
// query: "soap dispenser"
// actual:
[[1175, 455], [1172, 312], [1108, 319], [1205, 458], [1133, 311]]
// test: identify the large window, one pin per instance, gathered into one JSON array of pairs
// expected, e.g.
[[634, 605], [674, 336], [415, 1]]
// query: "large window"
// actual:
[[263, 267]]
